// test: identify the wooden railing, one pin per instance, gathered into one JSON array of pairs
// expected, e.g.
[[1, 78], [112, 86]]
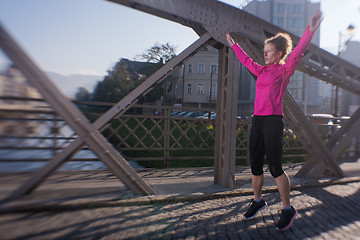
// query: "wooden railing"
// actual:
[[143, 133]]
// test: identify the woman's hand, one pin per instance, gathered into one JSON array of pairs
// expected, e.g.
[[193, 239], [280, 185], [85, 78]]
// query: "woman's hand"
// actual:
[[315, 21], [230, 40]]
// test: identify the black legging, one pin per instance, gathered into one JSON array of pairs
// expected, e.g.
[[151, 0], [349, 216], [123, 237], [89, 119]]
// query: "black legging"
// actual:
[[266, 139]]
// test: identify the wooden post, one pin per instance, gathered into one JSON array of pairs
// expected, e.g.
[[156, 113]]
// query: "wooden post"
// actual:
[[226, 110], [166, 137]]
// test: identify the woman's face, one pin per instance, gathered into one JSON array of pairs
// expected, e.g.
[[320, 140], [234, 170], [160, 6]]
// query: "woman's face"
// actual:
[[271, 55]]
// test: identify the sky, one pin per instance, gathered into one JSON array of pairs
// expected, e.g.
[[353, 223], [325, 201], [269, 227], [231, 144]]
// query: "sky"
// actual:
[[90, 36]]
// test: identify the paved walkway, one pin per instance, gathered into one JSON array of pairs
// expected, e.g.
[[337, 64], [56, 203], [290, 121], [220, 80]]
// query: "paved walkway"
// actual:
[[94, 205]]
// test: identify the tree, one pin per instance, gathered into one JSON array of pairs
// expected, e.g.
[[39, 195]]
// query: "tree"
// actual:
[[82, 94], [159, 53], [117, 84], [126, 75]]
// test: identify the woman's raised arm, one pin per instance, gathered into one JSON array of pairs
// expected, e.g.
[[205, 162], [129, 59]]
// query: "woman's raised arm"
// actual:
[[315, 21], [230, 40]]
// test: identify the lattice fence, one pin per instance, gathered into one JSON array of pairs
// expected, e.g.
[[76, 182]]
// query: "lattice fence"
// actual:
[[147, 137], [138, 134]]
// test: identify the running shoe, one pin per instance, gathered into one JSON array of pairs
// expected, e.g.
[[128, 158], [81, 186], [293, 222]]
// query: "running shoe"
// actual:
[[254, 208], [286, 219]]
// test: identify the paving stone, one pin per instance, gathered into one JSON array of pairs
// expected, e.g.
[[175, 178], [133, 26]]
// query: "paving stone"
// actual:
[[324, 213]]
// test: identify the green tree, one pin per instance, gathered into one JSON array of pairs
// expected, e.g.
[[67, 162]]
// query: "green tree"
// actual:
[[126, 75], [159, 53], [82, 94], [116, 85]]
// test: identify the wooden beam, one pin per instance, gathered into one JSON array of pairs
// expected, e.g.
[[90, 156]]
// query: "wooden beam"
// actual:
[[312, 142], [87, 132], [343, 136], [72, 115], [218, 18], [226, 111]]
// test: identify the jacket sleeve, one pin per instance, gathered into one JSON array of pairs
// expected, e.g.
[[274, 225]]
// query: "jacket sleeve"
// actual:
[[246, 60], [295, 56]]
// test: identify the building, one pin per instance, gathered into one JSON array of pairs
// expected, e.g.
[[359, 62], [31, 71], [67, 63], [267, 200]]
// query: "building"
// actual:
[[293, 16], [14, 84], [198, 85], [349, 102]]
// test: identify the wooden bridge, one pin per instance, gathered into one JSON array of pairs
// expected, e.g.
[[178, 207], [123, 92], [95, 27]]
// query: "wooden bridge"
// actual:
[[210, 19]]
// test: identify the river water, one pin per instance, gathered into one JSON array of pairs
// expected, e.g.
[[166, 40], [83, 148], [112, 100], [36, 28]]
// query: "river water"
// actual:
[[41, 154], [17, 166]]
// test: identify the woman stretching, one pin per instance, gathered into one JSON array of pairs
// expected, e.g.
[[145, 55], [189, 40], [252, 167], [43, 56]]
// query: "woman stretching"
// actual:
[[267, 123]]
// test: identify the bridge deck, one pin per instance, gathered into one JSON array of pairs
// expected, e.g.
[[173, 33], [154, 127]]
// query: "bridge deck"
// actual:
[[83, 188], [95, 204]]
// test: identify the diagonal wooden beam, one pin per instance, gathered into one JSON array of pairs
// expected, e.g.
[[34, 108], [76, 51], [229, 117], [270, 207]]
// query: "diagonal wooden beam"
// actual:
[[149, 83], [312, 142], [218, 18], [117, 109], [343, 136], [336, 144], [72, 115]]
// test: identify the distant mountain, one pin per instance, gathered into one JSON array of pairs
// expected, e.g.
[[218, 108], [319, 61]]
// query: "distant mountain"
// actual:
[[70, 84]]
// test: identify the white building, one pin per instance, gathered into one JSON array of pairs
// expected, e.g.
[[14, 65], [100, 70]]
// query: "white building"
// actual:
[[14, 84], [198, 86]]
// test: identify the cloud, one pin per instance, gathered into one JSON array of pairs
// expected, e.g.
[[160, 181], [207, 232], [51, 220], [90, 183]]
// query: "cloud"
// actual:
[[87, 72]]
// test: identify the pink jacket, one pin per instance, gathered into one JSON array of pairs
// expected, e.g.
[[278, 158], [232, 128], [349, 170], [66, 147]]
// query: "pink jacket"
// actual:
[[273, 79]]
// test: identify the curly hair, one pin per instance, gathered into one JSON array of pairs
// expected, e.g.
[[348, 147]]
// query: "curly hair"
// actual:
[[283, 43]]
